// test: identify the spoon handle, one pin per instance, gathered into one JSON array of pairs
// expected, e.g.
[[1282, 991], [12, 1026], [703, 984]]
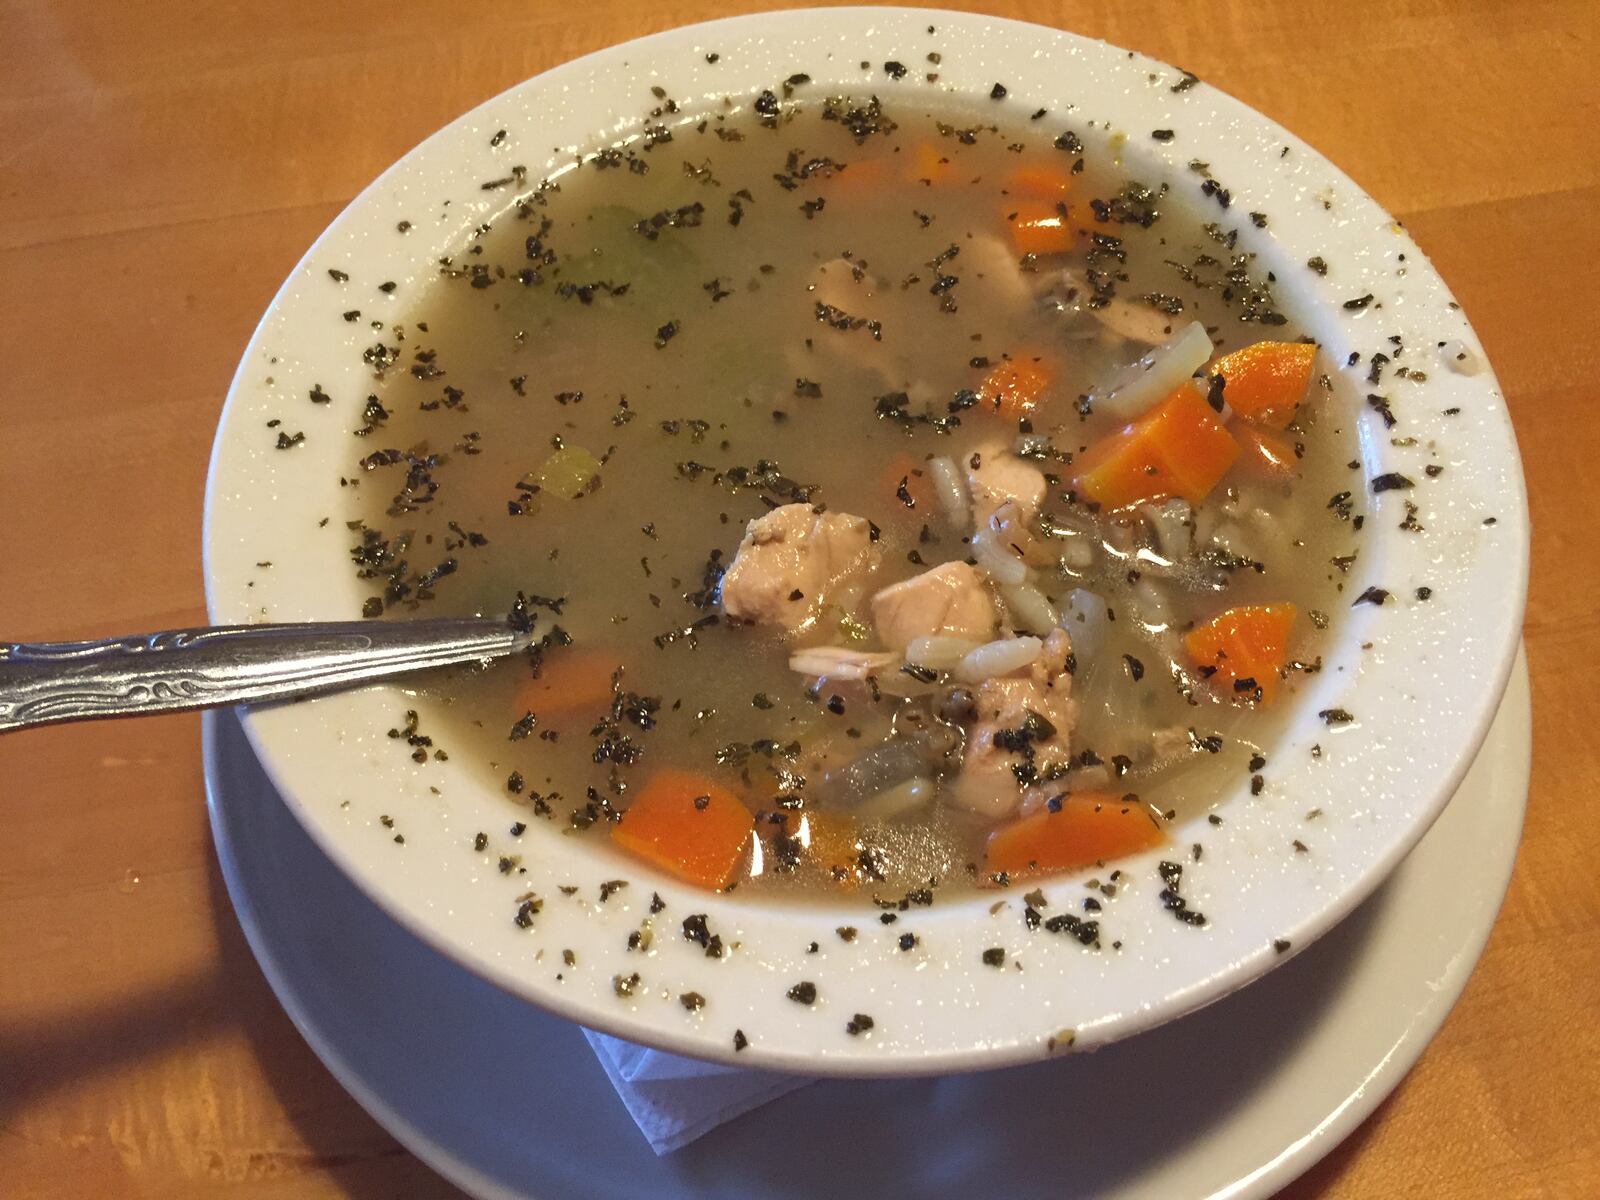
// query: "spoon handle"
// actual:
[[46, 682]]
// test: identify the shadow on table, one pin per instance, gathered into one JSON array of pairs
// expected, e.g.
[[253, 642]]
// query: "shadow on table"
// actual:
[[342, 1139], [43, 1056], [38, 1057]]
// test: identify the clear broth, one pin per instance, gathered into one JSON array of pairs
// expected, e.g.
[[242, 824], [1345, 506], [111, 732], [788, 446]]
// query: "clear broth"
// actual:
[[694, 347]]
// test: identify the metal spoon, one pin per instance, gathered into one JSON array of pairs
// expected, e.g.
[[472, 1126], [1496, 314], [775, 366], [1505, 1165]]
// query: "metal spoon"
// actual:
[[46, 682]]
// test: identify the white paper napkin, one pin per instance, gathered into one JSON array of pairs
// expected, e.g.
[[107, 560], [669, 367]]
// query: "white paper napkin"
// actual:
[[674, 1100]]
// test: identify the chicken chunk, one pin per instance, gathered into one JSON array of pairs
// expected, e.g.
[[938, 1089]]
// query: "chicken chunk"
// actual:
[[1022, 726], [1136, 322], [996, 477], [791, 561], [949, 599], [991, 281], [842, 295]]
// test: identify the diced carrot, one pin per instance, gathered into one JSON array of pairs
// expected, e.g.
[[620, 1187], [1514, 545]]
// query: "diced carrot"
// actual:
[[904, 468], [689, 826], [931, 165], [1244, 648], [1267, 453], [1179, 448], [570, 680], [1089, 828], [1266, 381], [1017, 386], [1038, 183], [1036, 212], [859, 177], [1037, 227]]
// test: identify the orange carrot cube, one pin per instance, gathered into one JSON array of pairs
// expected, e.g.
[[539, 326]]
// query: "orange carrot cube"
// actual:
[[928, 164], [1017, 386], [1037, 227], [689, 826], [1244, 649], [1088, 828], [1038, 183], [570, 680], [1266, 381], [1179, 448], [909, 471]]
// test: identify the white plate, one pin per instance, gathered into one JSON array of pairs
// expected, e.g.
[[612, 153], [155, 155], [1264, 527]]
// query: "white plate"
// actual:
[[1421, 678], [508, 1102]]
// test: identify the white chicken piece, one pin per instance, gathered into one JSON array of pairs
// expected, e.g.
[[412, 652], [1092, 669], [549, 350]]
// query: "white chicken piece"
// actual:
[[991, 281], [988, 281], [989, 783], [838, 294], [1127, 319], [996, 477], [950, 599], [789, 562]]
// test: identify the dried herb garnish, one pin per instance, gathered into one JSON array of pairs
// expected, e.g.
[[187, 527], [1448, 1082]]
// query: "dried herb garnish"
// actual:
[[697, 930], [1171, 896], [1391, 481]]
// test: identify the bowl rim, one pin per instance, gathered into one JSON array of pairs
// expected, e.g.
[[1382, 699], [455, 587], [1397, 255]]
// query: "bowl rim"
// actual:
[[267, 729]]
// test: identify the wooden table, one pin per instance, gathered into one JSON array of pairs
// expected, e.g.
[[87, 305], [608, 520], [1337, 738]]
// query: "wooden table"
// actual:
[[162, 167]]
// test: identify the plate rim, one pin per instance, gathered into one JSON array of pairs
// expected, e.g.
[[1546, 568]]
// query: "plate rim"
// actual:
[[1277, 1172]]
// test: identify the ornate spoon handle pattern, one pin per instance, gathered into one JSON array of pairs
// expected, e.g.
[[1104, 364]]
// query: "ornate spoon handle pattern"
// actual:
[[47, 682]]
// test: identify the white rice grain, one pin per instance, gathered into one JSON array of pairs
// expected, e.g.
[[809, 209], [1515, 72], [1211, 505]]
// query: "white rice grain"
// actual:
[[998, 658], [939, 652], [951, 489], [1029, 607], [997, 561], [837, 662]]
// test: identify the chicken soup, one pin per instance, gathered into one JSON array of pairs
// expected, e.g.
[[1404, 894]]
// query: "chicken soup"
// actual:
[[898, 498]]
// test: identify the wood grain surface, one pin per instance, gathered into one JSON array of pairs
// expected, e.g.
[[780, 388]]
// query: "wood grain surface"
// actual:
[[163, 165]]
